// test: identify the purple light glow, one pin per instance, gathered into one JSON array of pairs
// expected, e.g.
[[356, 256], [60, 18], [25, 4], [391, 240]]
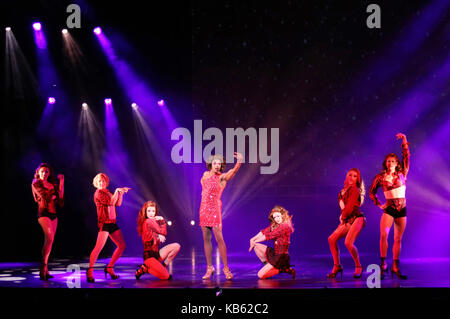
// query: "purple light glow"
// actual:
[[51, 100], [37, 26], [39, 37], [97, 30], [108, 101], [161, 103]]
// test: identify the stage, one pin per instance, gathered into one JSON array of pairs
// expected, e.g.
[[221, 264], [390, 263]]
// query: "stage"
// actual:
[[245, 295], [187, 272], [297, 97]]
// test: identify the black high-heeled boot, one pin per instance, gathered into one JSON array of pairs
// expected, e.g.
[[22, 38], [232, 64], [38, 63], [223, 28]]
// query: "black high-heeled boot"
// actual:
[[43, 273], [140, 271], [396, 270], [291, 271], [335, 272], [90, 275]]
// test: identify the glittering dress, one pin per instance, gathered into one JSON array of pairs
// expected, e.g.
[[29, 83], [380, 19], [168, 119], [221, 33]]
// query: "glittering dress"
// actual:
[[211, 205]]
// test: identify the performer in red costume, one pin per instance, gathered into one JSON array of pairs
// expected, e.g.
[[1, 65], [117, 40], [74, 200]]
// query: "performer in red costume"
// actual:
[[275, 260], [153, 230], [47, 193], [213, 183], [351, 219], [393, 181], [106, 212]]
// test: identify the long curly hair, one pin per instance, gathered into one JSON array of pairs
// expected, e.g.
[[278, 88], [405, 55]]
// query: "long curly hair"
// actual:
[[359, 183], [211, 159], [399, 166], [284, 214], [51, 176], [142, 215]]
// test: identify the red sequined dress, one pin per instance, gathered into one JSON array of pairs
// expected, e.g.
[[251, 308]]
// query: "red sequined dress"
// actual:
[[211, 205]]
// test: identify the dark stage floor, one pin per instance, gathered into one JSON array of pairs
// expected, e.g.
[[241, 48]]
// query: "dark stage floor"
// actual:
[[244, 297]]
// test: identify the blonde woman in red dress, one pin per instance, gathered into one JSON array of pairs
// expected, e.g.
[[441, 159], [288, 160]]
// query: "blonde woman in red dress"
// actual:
[[213, 183]]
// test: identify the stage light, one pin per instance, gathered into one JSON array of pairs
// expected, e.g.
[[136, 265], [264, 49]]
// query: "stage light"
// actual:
[[37, 26], [161, 103], [7, 29], [64, 31], [134, 106], [51, 100], [169, 223], [85, 106], [192, 222], [108, 101], [97, 30]]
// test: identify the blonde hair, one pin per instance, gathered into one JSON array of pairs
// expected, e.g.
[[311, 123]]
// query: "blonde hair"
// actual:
[[97, 179]]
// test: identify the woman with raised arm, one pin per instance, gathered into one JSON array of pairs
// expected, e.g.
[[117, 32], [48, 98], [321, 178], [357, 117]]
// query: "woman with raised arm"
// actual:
[[106, 212], [213, 183], [393, 182], [275, 260], [351, 219], [47, 193], [153, 230]]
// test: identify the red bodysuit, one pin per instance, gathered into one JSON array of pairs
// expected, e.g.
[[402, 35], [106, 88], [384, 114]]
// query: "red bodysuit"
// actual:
[[398, 181], [211, 205], [150, 231]]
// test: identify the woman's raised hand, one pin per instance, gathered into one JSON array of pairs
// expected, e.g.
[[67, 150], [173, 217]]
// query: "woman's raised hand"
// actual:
[[401, 136]]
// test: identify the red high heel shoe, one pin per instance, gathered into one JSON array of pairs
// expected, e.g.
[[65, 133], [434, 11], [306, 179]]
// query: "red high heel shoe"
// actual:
[[358, 273]]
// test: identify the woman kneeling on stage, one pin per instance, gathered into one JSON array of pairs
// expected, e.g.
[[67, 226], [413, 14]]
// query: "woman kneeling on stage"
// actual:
[[152, 228], [275, 260]]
